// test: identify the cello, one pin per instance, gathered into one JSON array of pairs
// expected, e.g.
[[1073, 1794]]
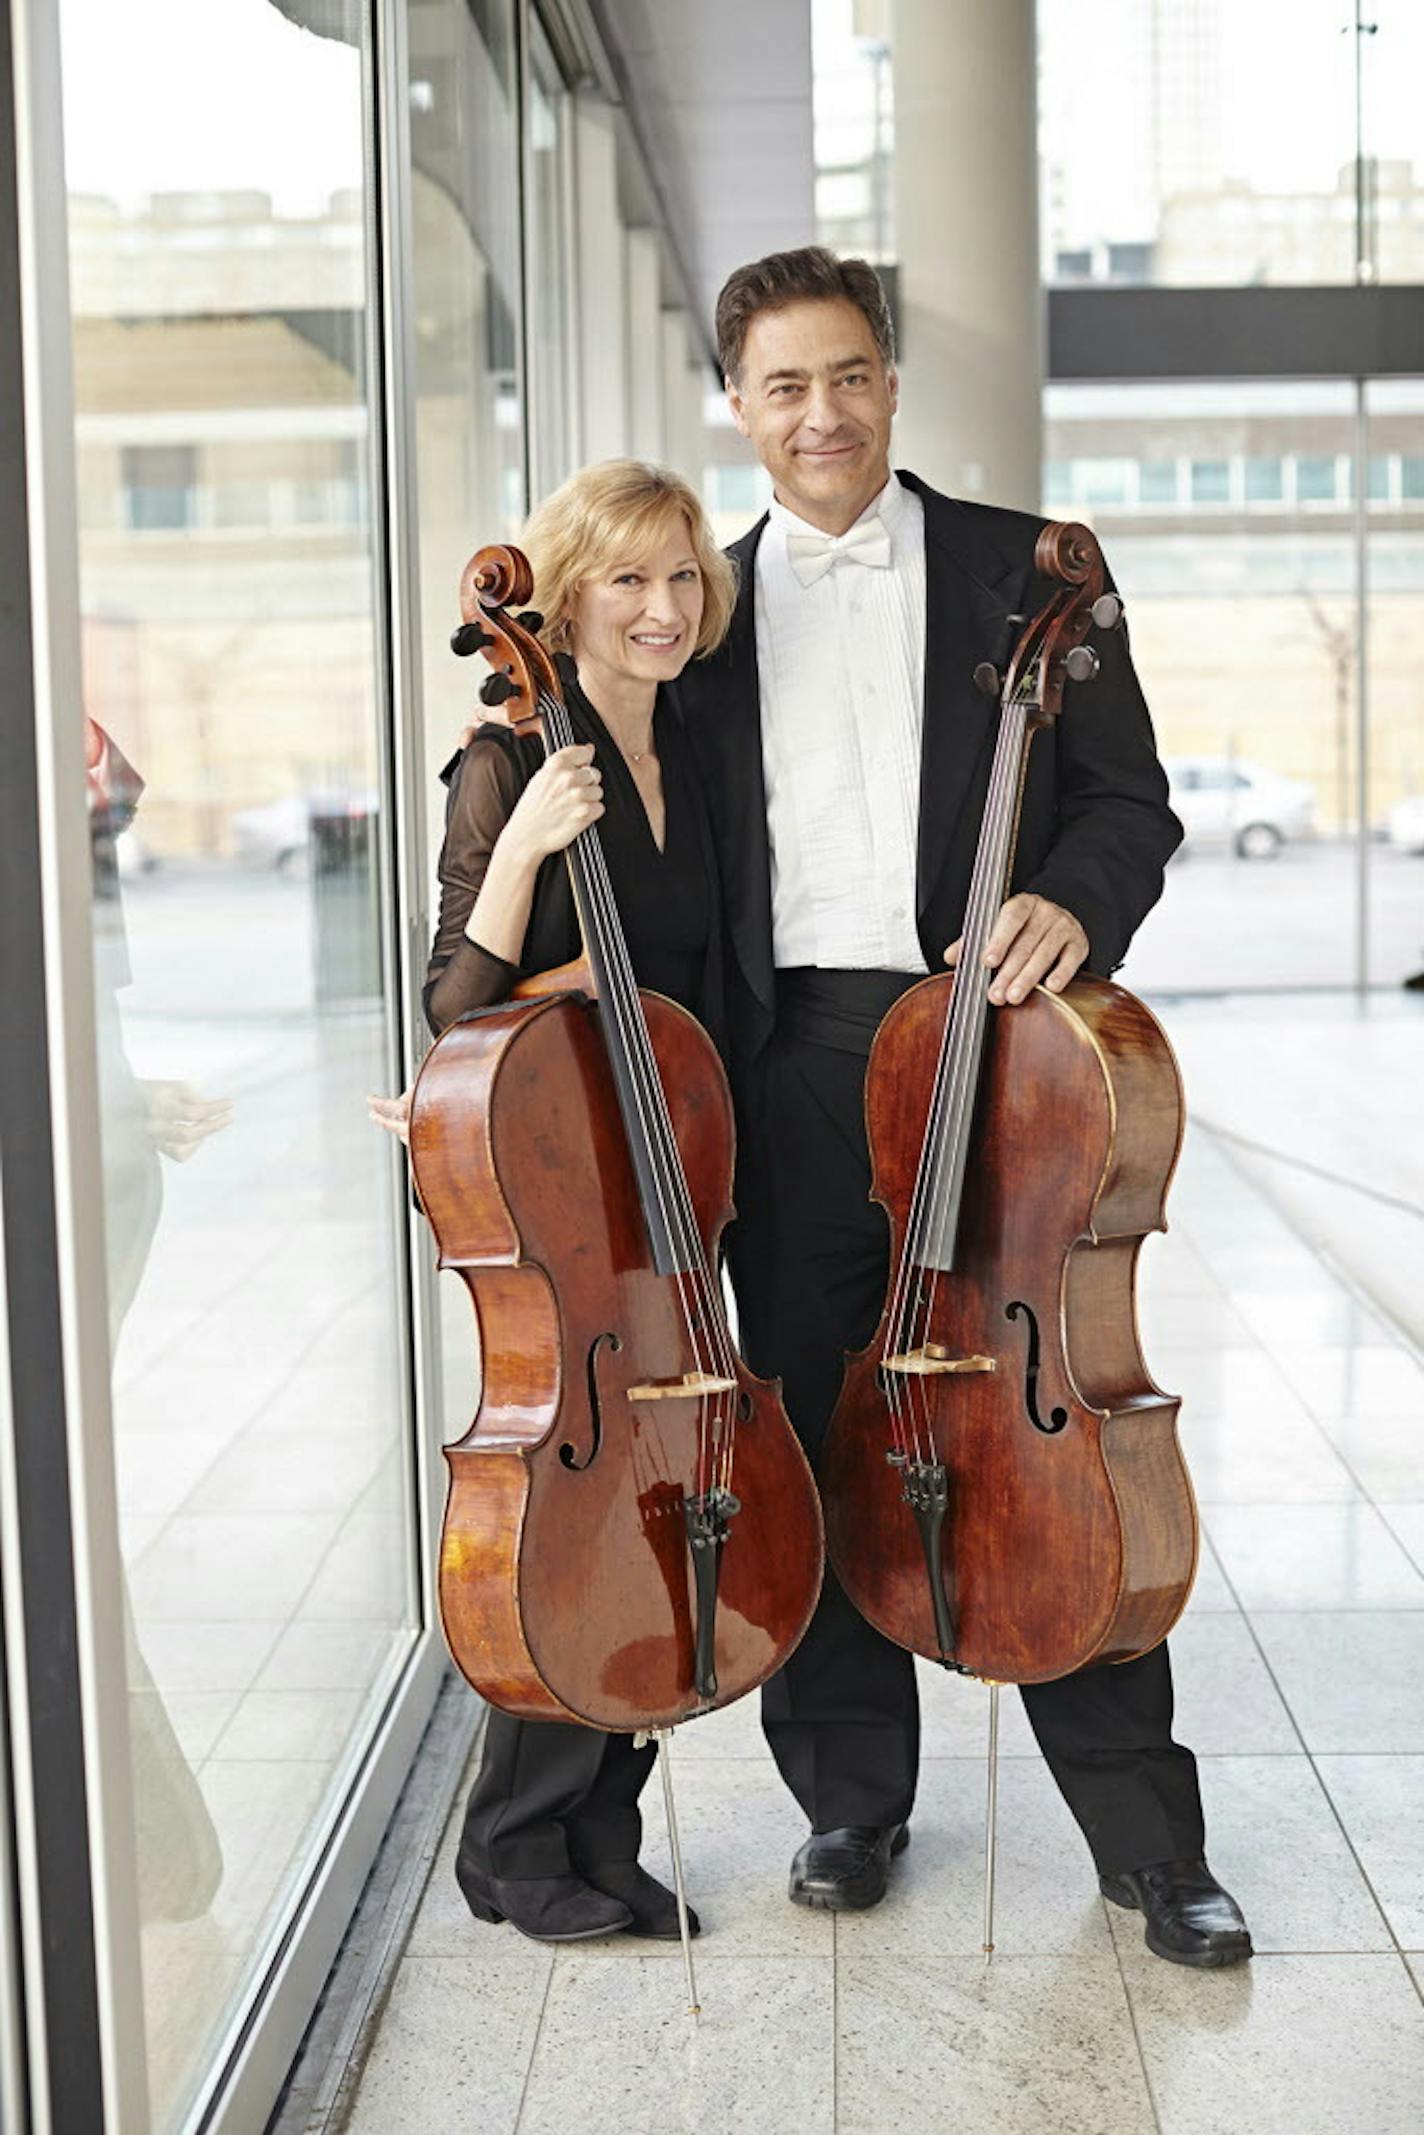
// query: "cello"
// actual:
[[1003, 1487], [632, 1533]]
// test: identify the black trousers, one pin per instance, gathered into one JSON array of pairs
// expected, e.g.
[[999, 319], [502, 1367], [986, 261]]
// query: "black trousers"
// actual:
[[552, 1797], [809, 1257]]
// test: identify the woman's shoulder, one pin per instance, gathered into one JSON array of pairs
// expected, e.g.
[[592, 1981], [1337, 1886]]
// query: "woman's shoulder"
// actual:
[[485, 779], [495, 756]]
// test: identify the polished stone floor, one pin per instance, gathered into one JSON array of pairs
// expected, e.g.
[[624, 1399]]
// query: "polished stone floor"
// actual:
[[1300, 1671]]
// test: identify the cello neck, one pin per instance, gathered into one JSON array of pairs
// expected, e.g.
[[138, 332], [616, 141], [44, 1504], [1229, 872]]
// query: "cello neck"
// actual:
[[934, 1223], [657, 1162]]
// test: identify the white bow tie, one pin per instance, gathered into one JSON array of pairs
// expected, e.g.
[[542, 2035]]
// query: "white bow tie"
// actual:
[[811, 555]]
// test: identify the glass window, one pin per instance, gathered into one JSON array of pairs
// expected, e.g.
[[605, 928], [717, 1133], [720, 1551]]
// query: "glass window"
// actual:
[[1244, 635], [1201, 179], [160, 487], [854, 122], [1393, 55], [1211, 481], [1395, 419], [1057, 483], [1264, 478], [1315, 478], [234, 718], [1379, 477], [1157, 482], [468, 419], [1102, 481], [737, 488]]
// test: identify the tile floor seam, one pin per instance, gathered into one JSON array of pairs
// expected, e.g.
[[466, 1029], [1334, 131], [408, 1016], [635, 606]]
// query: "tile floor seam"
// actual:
[[1416, 1561], [835, 2025], [534, 2046], [1247, 1614], [1132, 2019], [1319, 1777]]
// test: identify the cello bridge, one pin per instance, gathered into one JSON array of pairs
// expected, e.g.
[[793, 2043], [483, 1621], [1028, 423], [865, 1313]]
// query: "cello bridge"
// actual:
[[932, 1359], [692, 1386]]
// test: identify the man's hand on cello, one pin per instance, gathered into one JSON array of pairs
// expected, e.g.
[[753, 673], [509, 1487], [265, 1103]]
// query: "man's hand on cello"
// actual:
[[1032, 943]]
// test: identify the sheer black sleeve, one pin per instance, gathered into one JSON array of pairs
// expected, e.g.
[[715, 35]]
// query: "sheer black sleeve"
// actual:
[[485, 784]]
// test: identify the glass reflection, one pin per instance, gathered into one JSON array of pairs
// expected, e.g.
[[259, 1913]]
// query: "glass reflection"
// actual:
[[1395, 411], [1239, 150], [219, 297], [1227, 511]]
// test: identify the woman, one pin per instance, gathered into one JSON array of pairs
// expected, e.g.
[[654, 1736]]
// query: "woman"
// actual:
[[632, 585]]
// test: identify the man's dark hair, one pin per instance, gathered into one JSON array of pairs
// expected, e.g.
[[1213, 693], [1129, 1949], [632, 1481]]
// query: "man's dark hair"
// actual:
[[787, 278]]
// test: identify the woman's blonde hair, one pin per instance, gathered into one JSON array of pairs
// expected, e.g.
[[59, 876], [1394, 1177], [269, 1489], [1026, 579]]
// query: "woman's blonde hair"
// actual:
[[616, 512]]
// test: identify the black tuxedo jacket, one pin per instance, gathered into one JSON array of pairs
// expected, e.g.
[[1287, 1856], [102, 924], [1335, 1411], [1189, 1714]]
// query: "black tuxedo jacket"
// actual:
[[1096, 830]]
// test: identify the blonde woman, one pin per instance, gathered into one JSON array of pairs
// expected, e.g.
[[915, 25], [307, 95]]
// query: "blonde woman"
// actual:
[[632, 586]]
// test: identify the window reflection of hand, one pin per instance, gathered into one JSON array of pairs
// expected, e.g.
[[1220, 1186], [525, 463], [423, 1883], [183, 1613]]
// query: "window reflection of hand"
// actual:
[[179, 1118], [392, 1113]]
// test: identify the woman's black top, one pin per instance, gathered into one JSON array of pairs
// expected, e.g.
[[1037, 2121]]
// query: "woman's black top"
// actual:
[[667, 900]]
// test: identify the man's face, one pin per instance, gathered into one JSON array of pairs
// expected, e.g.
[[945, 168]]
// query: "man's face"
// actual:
[[816, 399]]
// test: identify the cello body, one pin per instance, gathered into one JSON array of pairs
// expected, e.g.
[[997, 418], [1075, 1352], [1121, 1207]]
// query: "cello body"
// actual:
[[1003, 1484], [1070, 1533], [567, 1584]]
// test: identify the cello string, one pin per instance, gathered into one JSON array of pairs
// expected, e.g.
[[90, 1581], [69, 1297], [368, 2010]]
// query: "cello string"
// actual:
[[964, 1070], [653, 1099], [913, 1314], [698, 1274], [624, 1006], [674, 1199], [951, 1094]]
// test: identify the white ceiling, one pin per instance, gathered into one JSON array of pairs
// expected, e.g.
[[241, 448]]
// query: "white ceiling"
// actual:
[[719, 94]]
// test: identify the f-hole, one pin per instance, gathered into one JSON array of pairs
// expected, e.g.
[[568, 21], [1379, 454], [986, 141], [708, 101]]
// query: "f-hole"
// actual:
[[1057, 1417], [568, 1451]]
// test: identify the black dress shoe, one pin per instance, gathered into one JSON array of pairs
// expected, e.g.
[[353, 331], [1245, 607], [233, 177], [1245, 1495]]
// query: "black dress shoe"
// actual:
[[546, 1908], [1190, 1918], [845, 1871], [652, 1904]]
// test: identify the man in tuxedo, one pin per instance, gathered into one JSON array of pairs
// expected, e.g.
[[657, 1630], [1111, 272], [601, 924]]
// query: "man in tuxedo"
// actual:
[[847, 754]]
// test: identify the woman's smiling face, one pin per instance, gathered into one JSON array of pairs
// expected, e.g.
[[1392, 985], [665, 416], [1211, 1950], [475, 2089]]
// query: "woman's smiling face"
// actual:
[[640, 617]]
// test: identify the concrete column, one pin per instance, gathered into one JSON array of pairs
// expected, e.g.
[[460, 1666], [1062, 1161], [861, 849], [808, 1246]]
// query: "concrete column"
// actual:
[[966, 225], [643, 349], [601, 274], [682, 400]]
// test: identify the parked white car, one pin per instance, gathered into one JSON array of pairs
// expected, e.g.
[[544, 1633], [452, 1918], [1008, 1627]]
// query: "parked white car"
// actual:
[[1227, 800], [277, 834], [1406, 824]]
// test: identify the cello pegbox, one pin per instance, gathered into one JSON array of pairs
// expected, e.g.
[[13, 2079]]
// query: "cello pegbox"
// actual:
[[495, 580]]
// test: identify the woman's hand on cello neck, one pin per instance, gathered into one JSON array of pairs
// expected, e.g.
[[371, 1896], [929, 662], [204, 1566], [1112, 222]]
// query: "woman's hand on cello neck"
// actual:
[[564, 797]]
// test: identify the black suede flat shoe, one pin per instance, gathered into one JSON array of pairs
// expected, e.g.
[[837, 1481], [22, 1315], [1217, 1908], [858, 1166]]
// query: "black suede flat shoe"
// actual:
[[846, 1870], [652, 1904], [1190, 1918], [545, 1908]]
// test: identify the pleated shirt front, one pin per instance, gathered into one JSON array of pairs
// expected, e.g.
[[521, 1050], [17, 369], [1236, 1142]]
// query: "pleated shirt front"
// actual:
[[841, 664]]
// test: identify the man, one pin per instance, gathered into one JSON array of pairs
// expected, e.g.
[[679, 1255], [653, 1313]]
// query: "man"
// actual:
[[847, 756]]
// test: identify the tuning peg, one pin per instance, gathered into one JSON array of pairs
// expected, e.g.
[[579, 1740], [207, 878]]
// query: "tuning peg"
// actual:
[[468, 638], [1082, 664], [1107, 611], [531, 620], [987, 679], [497, 689]]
